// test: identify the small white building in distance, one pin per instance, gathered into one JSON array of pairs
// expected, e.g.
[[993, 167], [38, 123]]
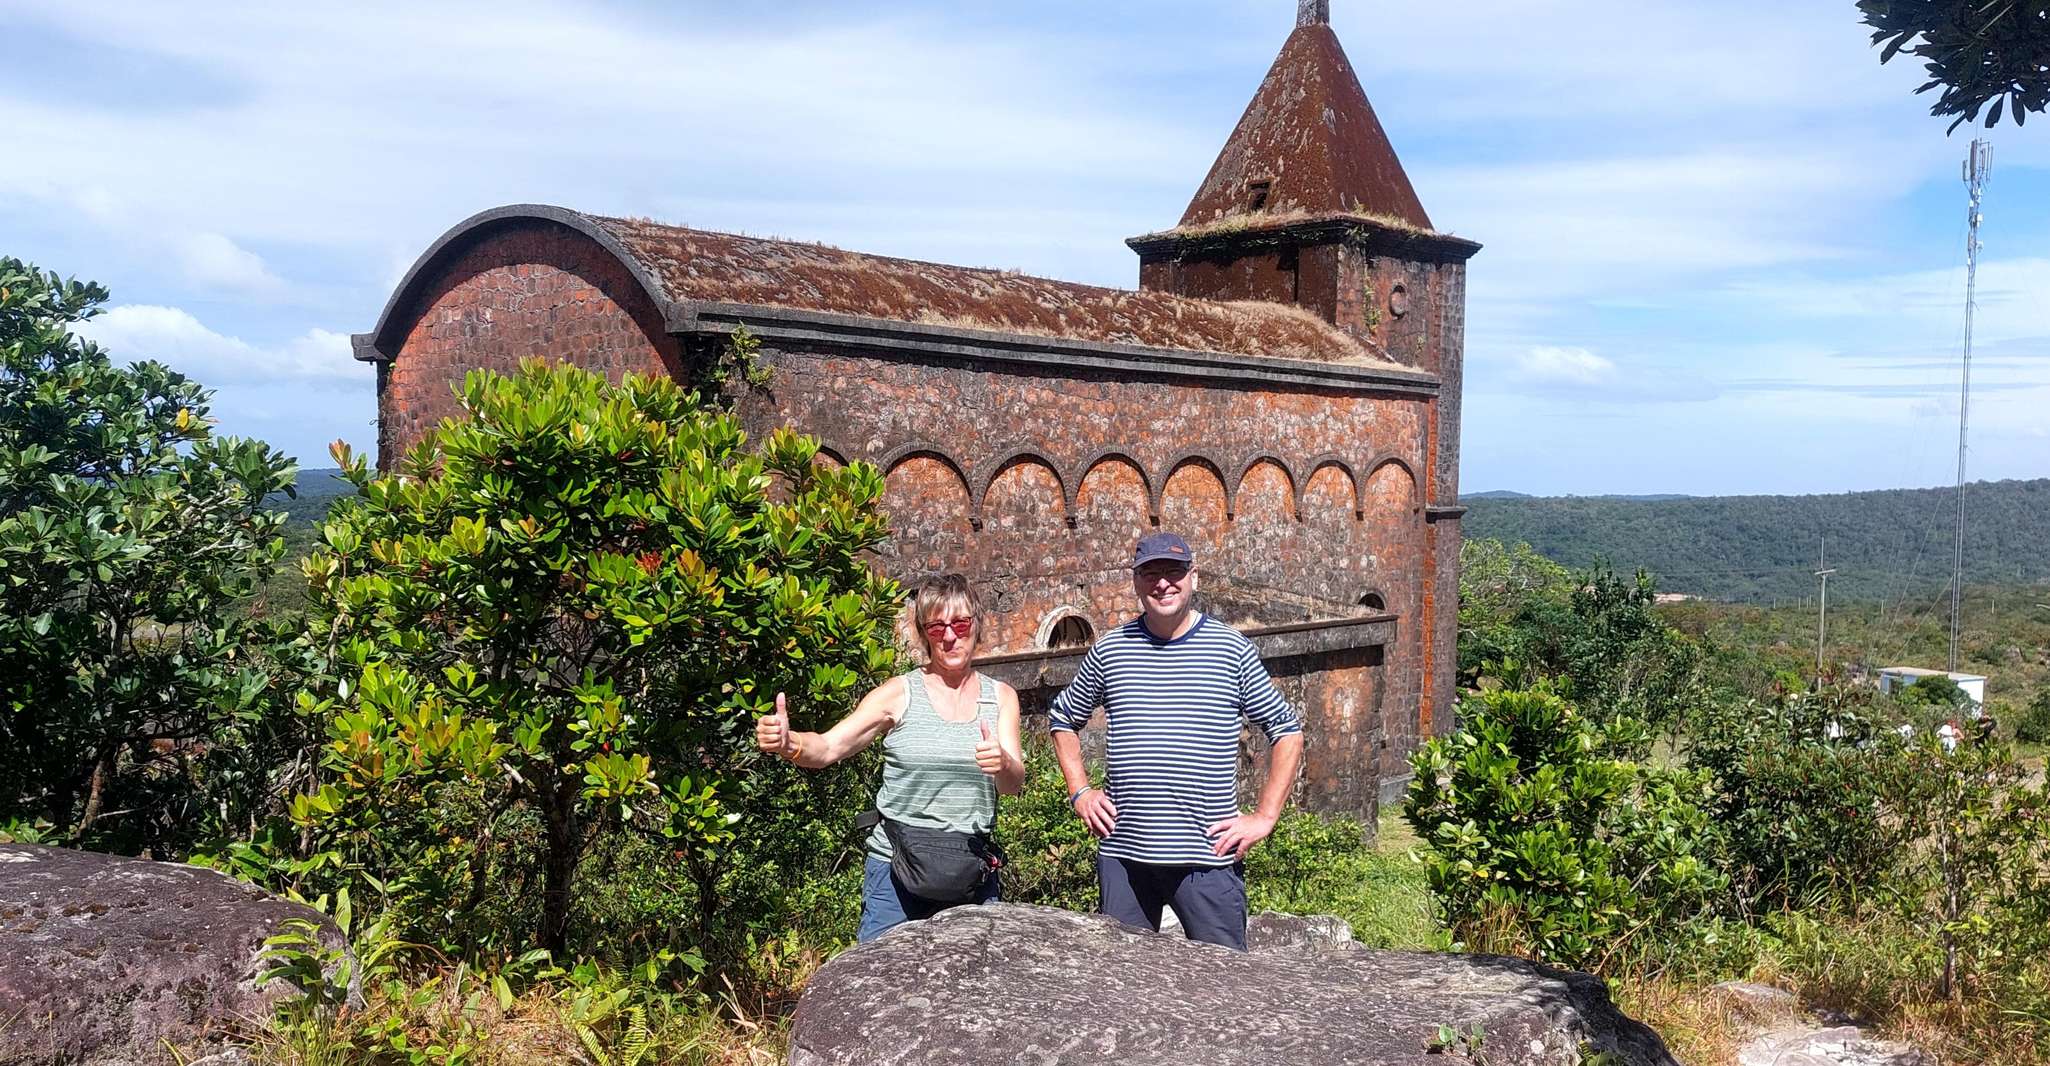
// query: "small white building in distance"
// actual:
[[1894, 678]]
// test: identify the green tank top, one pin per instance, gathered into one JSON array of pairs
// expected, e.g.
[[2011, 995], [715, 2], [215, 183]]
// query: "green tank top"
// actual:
[[929, 774]]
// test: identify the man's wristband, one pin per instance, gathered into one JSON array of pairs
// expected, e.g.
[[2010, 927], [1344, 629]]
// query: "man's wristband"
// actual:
[[1077, 794]]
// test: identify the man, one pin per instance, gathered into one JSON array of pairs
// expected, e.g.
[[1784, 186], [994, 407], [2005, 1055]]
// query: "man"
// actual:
[[1175, 687]]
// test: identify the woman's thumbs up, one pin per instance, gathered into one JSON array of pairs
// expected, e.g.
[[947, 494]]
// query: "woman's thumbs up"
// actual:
[[989, 755]]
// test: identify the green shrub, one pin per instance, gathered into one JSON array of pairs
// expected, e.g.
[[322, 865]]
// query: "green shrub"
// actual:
[[135, 706], [1052, 853], [1596, 633], [2032, 725], [558, 621], [1323, 864], [1542, 845], [1934, 691], [1806, 791], [1979, 877]]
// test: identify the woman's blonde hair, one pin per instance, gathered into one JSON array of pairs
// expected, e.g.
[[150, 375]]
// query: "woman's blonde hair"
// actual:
[[945, 596]]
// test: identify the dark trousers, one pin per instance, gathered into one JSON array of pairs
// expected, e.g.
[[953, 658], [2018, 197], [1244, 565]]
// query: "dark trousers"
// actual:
[[1209, 900], [885, 904]]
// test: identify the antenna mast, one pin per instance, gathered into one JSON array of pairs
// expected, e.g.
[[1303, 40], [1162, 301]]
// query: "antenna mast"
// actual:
[[1976, 170]]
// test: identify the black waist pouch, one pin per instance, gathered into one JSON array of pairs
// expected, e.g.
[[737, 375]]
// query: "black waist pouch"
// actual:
[[940, 865]]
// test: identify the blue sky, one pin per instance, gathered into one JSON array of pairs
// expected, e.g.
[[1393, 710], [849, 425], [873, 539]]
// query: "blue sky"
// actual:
[[1724, 246]]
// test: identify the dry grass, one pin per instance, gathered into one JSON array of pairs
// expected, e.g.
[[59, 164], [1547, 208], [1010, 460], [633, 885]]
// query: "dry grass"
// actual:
[[544, 1027], [1702, 1026]]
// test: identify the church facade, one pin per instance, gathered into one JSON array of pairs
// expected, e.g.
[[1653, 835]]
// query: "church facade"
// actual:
[[1282, 389]]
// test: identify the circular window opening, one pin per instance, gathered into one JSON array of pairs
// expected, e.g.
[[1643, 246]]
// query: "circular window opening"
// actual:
[[1373, 601], [1074, 631], [1398, 301]]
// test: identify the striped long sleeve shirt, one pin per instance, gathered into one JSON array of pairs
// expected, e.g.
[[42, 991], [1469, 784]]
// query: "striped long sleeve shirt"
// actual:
[[1174, 710]]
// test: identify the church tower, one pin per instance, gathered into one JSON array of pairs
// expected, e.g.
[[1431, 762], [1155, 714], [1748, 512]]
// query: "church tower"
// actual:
[[1308, 205]]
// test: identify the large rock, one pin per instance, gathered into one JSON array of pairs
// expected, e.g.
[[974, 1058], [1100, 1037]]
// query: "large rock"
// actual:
[[1014, 984], [106, 960]]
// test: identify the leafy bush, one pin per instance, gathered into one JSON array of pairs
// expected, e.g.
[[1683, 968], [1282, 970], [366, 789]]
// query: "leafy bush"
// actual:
[[1501, 588], [559, 620], [1934, 691], [1807, 790], [1980, 877], [1052, 853], [128, 535], [1324, 864], [1542, 844], [1596, 633], [2032, 726]]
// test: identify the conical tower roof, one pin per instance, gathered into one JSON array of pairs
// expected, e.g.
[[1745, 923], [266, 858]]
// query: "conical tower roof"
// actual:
[[1309, 143]]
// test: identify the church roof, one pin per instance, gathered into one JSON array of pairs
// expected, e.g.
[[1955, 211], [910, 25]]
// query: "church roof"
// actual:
[[1308, 145], [700, 265]]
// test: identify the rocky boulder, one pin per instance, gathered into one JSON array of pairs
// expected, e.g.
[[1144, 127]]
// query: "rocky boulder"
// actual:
[[106, 960], [1009, 983]]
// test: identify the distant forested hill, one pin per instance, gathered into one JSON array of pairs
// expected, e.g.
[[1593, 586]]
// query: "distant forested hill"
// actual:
[[317, 489], [1886, 545]]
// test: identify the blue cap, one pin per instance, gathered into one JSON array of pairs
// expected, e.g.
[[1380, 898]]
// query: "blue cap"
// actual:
[[1161, 546]]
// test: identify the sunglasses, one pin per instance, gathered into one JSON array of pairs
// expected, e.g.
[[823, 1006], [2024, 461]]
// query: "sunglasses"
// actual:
[[960, 626]]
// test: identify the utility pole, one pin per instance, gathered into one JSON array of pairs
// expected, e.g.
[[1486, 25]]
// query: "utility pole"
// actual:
[[1822, 626], [1977, 167], [1822, 570]]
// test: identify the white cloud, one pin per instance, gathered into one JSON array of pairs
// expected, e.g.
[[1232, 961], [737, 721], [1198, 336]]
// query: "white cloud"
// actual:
[[1565, 366], [1923, 305], [1571, 373], [211, 261], [174, 337]]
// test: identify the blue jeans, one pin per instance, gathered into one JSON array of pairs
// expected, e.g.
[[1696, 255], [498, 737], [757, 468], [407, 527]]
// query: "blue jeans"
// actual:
[[1210, 900], [885, 905]]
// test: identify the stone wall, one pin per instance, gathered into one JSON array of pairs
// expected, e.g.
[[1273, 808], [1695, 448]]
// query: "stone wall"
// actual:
[[1298, 503], [536, 289]]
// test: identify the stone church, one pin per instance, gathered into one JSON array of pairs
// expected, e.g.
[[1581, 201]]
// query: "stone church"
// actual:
[[1282, 389]]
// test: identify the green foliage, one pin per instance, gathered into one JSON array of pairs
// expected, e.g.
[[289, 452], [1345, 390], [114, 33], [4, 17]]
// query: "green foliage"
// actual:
[[417, 1008], [559, 619], [1501, 590], [1977, 52], [739, 362], [1890, 546], [1464, 1041], [1052, 853], [2002, 637], [129, 533], [1318, 864], [1935, 691], [1544, 845], [1981, 878], [1596, 634], [1807, 791], [2033, 724]]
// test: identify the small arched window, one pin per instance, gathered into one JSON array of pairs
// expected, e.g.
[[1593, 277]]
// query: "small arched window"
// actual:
[[1074, 631], [1374, 601]]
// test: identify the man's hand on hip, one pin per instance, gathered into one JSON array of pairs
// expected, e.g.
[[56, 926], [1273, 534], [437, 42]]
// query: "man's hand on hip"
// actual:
[[1097, 811], [1236, 836]]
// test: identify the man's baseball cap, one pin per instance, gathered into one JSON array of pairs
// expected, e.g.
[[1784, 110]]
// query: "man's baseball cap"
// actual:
[[1161, 546]]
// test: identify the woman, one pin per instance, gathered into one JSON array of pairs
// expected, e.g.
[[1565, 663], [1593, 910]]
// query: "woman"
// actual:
[[950, 744]]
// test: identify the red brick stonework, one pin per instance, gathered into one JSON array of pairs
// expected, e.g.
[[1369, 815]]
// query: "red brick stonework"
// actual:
[[528, 289], [1282, 391]]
